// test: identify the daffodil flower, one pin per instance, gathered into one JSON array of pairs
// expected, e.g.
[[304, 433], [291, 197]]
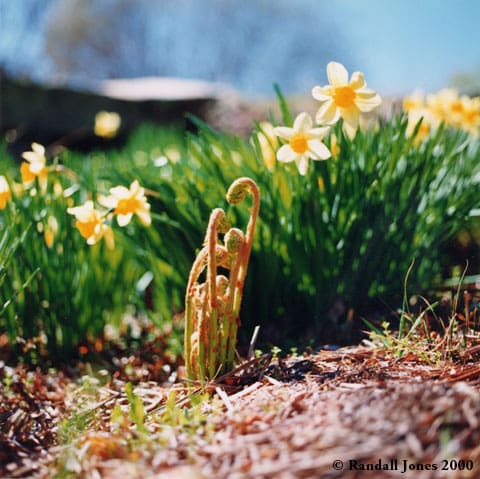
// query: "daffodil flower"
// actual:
[[126, 202], [429, 123], [304, 142], [471, 116], [444, 105], [90, 222], [50, 231], [5, 193], [334, 146], [34, 166], [449, 107], [268, 143], [107, 124], [344, 98], [415, 101]]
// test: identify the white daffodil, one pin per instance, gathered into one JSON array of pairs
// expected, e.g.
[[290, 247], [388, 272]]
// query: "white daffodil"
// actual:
[[34, 166], [127, 202], [471, 116], [304, 142], [344, 98], [5, 193], [89, 222], [429, 123], [268, 143]]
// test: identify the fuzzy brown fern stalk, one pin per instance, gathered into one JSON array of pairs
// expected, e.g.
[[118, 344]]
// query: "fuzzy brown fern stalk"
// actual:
[[212, 307]]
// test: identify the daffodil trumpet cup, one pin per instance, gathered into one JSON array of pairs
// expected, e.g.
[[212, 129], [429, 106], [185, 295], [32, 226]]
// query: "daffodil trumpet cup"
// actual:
[[212, 307]]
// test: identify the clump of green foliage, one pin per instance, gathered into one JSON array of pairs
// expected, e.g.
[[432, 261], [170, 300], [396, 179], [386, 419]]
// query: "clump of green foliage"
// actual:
[[74, 288], [326, 241], [9, 245], [345, 232]]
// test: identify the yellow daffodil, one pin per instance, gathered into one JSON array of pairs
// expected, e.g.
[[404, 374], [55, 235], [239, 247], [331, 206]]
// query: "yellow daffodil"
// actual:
[[127, 202], [268, 142], [344, 98], [414, 101], [109, 237], [416, 108], [304, 142], [470, 120], [34, 166], [90, 222], [446, 106], [334, 146], [429, 123], [107, 124], [50, 231], [5, 193]]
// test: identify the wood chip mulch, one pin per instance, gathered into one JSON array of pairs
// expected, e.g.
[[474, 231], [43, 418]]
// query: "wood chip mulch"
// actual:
[[31, 406], [326, 415]]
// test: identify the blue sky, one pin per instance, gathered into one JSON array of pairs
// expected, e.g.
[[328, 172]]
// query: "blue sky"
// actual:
[[405, 44]]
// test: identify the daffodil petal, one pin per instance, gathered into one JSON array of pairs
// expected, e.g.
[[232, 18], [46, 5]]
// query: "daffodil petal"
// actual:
[[318, 150], [351, 116], [82, 213], [349, 131], [109, 202], [303, 122], [120, 192], [36, 167], [365, 93], [144, 217], [337, 74], [38, 149], [3, 184], [71, 211], [83, 216], [123, 220], [357, 81], [109, 237], [350, 122], [285, 154], [319, 132], [302, 164], [328, 113], [136, 188], [322, 93], [368, 104], [284, 132], [30, 156]]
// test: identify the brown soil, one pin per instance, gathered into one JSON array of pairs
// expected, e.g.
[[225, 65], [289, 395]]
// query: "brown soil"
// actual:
[[350, 409]]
